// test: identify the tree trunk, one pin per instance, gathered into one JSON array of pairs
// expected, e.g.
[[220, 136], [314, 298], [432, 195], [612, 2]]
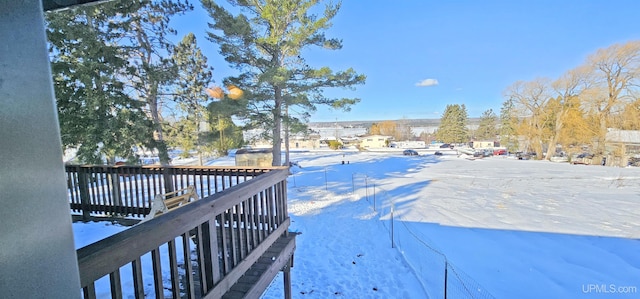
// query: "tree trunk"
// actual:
[[277, 128], [551, 150], [286, 135]]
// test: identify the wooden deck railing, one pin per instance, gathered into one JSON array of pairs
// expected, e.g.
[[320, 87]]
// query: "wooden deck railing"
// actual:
[[201, 250], [128, 190]]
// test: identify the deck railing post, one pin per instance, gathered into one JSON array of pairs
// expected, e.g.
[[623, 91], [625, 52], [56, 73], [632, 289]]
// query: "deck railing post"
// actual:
[[287, 278], [85, 198]]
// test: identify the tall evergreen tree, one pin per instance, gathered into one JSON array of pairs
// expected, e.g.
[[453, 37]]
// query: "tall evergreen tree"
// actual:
[[265, 39], [193, 76], [453, 125], [96, 114], [487, 129], [508, 123], [143, 31]]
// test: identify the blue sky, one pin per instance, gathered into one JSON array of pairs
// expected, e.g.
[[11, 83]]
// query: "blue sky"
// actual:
[[473, 49]]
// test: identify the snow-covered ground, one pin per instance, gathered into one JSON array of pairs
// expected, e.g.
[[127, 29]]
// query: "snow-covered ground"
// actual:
[[500, 227]]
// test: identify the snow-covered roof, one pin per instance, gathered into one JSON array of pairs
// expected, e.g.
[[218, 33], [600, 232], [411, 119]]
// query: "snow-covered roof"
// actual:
[[623, 136]]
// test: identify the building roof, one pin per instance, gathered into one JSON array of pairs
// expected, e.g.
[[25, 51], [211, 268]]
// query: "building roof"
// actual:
[[623, 136]]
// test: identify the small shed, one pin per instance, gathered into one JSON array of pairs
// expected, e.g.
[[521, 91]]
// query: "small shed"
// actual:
[[258, 157]]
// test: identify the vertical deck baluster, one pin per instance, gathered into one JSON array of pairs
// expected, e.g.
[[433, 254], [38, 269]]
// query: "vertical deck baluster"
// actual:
[[89, 292], [224, 241], [239, 231], [233, 243], [189, 287], [263, 215], [245, 224], [138, 285], [270, 208], [215, 181], [253, 214], [157, 273], [203, 267], [173, 268], [133, 187], [116, 284]]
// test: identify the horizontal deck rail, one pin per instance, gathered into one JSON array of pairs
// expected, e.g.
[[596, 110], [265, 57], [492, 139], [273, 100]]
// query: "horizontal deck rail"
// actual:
[[199, 250], [122, 190]]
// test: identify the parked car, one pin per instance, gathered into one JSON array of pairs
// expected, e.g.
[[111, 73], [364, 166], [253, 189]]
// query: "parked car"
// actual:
[[585, 155], [446, 145], [523, 156], [410, 152], [438, 153], [500, 151]]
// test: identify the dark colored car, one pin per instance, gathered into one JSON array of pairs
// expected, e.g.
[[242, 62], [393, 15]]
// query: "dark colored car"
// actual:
[[585, 155], [446, 145], [438, 153], [523, 156], [410, 152]]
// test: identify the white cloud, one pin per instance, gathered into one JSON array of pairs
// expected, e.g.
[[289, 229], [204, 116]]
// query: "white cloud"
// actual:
[[427, 82]]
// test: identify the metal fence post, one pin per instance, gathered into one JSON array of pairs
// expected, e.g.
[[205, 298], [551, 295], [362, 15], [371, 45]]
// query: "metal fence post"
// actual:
[[446, 272], [392, 243], [353, 183], [326, 187], [374, 197], [366, 187]]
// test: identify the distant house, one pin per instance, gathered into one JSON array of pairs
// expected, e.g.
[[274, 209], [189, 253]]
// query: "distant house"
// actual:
[[482, 144], [304, 142], [259, 157], [621, 145], [375, 141], [350, 141]]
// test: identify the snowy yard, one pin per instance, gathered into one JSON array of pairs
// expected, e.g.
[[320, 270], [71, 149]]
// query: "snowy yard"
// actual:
[[506, 228]]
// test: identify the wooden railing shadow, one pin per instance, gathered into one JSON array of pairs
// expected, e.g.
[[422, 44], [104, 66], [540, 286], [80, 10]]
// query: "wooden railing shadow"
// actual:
[[229, 244]]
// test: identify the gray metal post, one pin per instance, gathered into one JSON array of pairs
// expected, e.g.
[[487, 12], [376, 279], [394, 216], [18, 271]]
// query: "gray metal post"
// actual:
[[393, 245], [37, 251], [374, 197], [446, 275], [326, 184]]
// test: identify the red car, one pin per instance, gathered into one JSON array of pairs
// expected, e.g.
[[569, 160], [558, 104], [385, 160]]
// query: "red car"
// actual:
[[497, 152]]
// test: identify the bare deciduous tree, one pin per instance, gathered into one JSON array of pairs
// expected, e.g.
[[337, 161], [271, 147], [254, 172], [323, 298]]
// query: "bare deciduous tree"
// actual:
[[615, 73]]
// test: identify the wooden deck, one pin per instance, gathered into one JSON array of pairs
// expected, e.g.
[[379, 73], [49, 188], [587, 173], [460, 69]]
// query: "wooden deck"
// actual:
[[229, 244]]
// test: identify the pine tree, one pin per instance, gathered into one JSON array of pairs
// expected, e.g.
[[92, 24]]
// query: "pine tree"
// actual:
[[453, 125], [487, 129], [508, 123], [265, 39], [193, 76], [142, 29], [95, 112]]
